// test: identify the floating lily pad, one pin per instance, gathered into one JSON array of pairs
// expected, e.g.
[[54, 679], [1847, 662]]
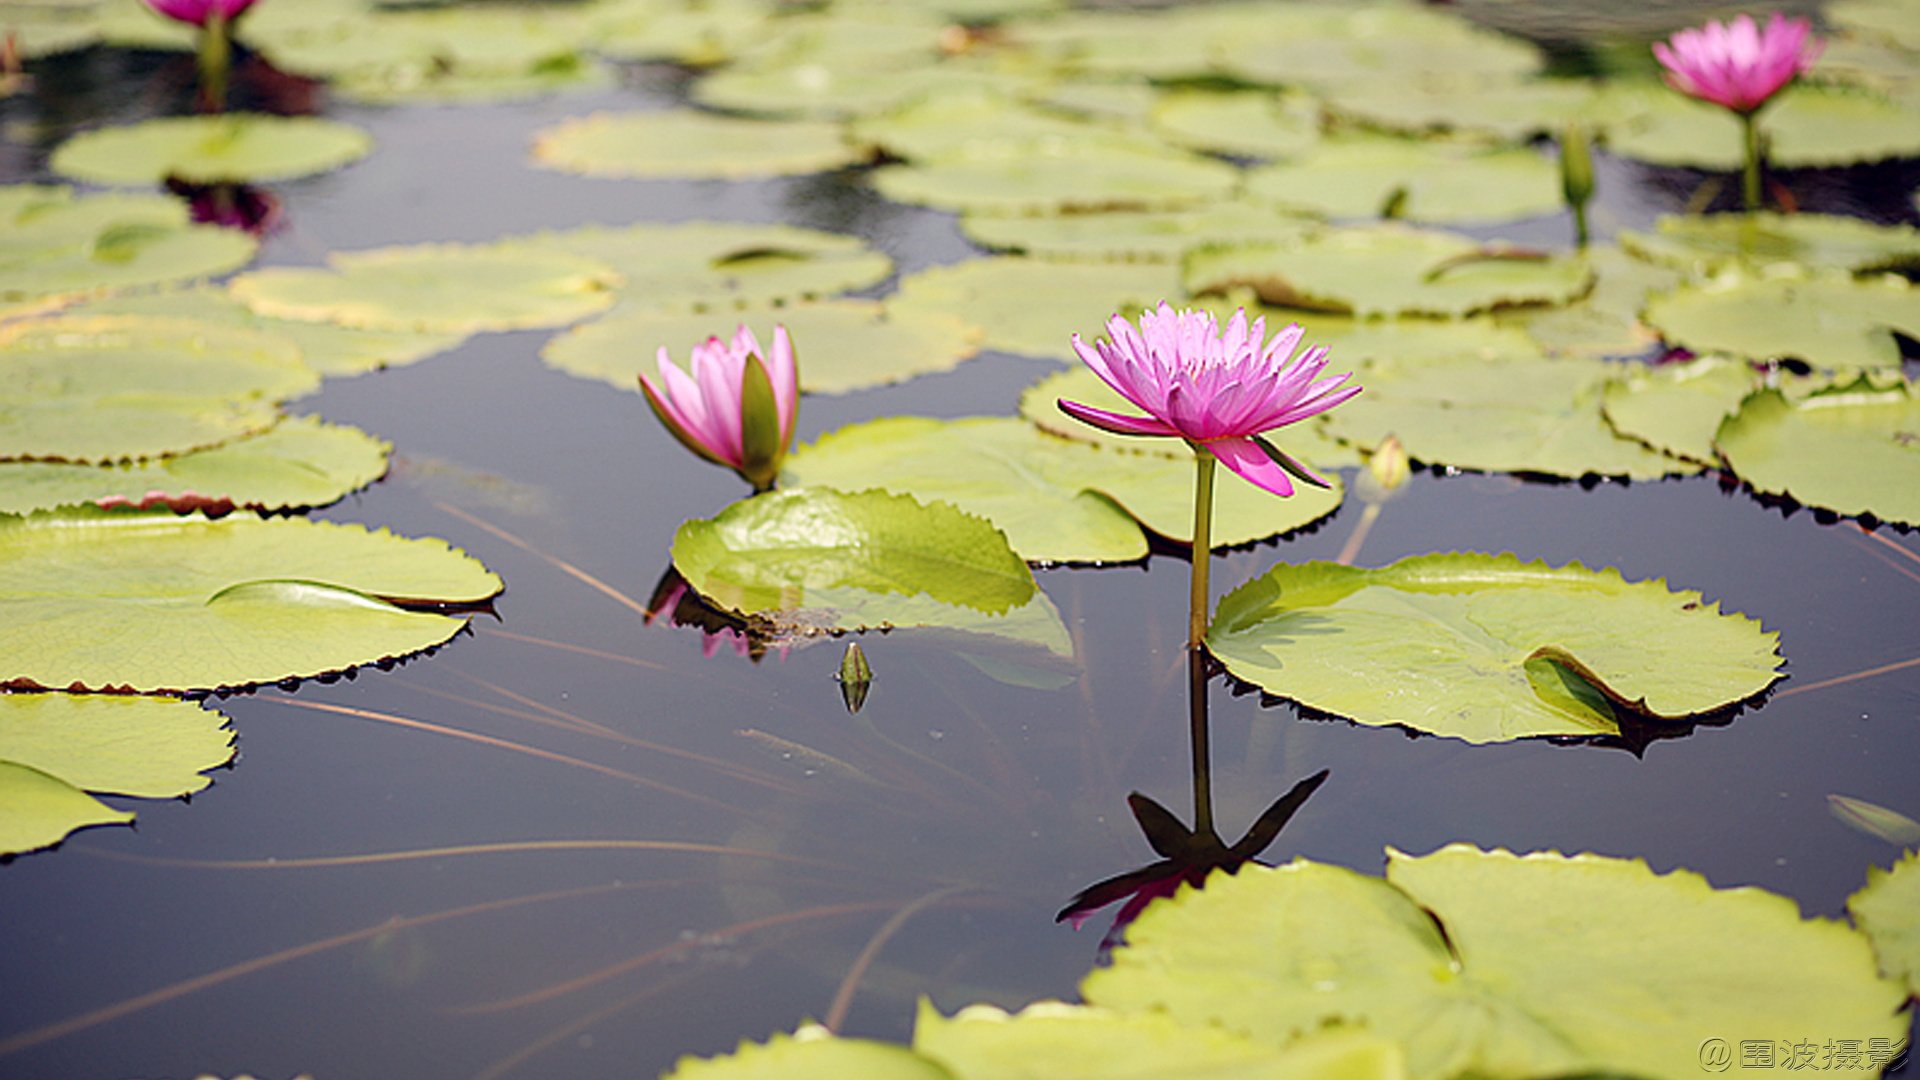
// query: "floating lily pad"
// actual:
[[1156, 236], [1677, 408], [1172, 43], [1511, 110], [717, 264], [1060, 176], [1390, 270], [1244, 123], [1070, 1042], [1446, 183], [1606, 321], [1810, 126], [1058, 501], [810, 87], [426, 82], [1334, 45], [1487, 648], [1489, 964], [1888, 20], [841, 561], [38, 810], [238, 147], [1705, 244], [1853, 449], [1128, 102], [1039, 405], [1829, 321], [463, 41], [963, 122], [843, 345], [1356, 343], [127, 387], [435, 288], [54, 245], [152, 748], [696, 35], [96, 599], [1888, 912], [687, 144], [812, 1053], [297, 463], [1528, 416], [328, 349], [999, 294]]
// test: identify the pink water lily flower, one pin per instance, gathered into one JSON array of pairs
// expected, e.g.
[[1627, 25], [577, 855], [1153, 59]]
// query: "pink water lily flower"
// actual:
[[1218, 390], [198, 12], [738, 406], [1738, 65]]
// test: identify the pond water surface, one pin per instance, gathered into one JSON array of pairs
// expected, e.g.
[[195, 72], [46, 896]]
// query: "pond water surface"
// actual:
[[570, 960]]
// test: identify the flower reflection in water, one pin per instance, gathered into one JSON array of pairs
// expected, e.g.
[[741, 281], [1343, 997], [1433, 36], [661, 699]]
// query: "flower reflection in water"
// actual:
[[244, 207]]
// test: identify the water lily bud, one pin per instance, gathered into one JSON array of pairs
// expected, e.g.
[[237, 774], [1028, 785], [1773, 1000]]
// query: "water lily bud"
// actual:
[[1388, 465], [855, 677], [1576, 164], [737, 406]]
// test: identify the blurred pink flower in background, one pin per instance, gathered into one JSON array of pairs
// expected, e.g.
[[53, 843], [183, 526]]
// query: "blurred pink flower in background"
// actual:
[[1738, 65], [198, 12]]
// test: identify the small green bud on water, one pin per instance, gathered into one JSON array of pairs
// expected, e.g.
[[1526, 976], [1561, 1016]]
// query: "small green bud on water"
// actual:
[[1388, 465], [855, 677]]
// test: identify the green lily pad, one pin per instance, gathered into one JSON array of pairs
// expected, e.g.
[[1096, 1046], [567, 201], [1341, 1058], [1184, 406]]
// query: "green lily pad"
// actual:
[[1051, 176], [429, 83], [1305, 442], [1853, 449], [1170, 44], [1528, 416], [842, 345], [1154, 236], [328, 349], [962, 121], [38, 811], [718, 264], [462, 41], [1332, 45], [1677, 408], [1244, 123], [1606, 321], [1070, 1042], [295, 464], [238, 147], [86, 595], [128, 387], [1829, 321], [867, 559], [1887, 910], [998, 294], [1706, 244], [1356, 343], [1509, 110], [812, 1053], [54, 245], [1390, 270], [682, 143], [1441, 182], [698, 35], [1124, 101], [819, 89], [1490, 964], [435, 288], [1486, 648], [1888, 20], [1809, 126], [49, 29], [1058, 501], [152, 748]]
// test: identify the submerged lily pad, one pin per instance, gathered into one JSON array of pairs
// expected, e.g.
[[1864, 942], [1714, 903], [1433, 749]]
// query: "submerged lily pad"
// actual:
[[714, 264], [1487, 648], [831, 560], [1059, 176], [1244, 123], [688, 144], [1527, 416], [999, 294], [297, 463], [53, 244], [1853, 449], [842, 345], [1390, 270], [1829, 321], [127, 387], [1155, 236], [1057, 500], [1888, 912], [1677, 408], [1489, 964], [237, 147], [435, 288], [1709, 243], [150, 602], [1810, 126], [1441, 182]]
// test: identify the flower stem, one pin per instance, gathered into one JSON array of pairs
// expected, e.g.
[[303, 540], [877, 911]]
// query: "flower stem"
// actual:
[[1580, 234], [216, 57], [1750, 180], [1202, 755], [1202, 546]]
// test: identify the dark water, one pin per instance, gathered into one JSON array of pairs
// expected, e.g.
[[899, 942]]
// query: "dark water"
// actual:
[[1010, 799]]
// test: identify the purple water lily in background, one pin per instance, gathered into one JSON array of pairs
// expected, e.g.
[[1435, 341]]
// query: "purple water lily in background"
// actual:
[[738, 406], [198, 12], [1740, 66]]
